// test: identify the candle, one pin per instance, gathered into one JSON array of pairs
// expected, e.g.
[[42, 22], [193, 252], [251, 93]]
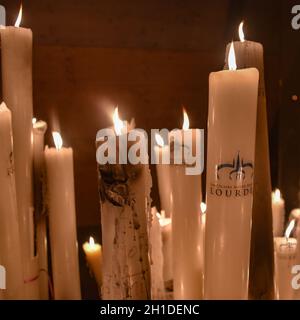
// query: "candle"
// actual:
[[93, 254], [202, 236], [62, 220], [295, 214], [166, 233], [125, 210], [250, 54], [162, 153], [186, 228], [230, 165], [285, 259], [39, 129], [10, 243], [278, 212], [16, 51]]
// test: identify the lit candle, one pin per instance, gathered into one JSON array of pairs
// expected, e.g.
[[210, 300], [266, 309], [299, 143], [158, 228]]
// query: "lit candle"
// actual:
[[10, 243], [16, 54], [278, 212], [166, 233], [93, 254], [230, 165], [162, 152], [62, 220], [39, 129], [250, 54], [186, 227], [285, 259]]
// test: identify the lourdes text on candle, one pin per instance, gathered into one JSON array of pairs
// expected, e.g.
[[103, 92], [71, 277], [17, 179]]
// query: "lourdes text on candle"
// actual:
[[118, 146]]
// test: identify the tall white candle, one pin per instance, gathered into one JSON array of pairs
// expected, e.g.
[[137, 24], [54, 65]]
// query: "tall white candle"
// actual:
[[39, 129], [16, 50], [62, 221], [230, 165], [93, 254], [285, 259], [278, 213], [186, 228], [10, 243]]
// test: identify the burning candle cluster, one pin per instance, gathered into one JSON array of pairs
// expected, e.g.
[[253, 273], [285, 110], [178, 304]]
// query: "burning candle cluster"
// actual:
[[225, 248]]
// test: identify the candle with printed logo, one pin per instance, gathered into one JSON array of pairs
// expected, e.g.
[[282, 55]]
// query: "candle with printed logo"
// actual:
[[230, 169]]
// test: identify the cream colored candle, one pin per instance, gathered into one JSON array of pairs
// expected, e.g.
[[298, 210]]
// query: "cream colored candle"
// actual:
[[278, 213], [39, 129], [285, 259], [202, 236], [230, 168], [186, 228], [10, 243], [93, 254], [16, 50], [62, 221]]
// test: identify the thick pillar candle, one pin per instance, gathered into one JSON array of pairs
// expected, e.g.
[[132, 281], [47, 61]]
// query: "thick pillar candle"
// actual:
[[16, 50], [230, 169], [10, 243], [62, 221]]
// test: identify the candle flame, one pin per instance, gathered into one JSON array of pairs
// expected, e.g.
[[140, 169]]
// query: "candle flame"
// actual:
[[276, 195], [203, 207], [289, 229], [231, 58], [57, 140], [19, 18], [186, 121], [33, 120], [241, 32], [159, 140], [118, 123], [91, 241]]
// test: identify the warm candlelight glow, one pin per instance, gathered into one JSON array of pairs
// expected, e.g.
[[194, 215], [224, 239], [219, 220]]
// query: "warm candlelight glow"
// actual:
[[276, 195], [186, 121], [118, 123], [159, 140], [231, 58], [163, 221], [203, 207], [91, 242], [57, 140], [33, 120], [241, 32], [289, 229], [19, 18]]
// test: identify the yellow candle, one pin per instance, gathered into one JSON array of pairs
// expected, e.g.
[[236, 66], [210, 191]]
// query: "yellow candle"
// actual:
[[93, 254]]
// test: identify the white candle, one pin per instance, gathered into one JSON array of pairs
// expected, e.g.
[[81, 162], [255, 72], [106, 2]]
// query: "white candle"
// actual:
[[93, 254], [186, 227], [39, 129], [278, 213], [166, 234], [285, 259], [16, 50], [202, 236], [62, 221], [230, 165], [10, 243]]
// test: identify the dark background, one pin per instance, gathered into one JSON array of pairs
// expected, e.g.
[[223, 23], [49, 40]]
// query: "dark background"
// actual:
[[150, 57]]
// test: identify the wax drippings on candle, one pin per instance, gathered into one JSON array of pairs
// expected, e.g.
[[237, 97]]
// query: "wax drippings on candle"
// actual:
[[19, 18]]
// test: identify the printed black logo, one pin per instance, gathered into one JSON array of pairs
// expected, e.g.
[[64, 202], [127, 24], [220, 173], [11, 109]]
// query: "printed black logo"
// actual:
[[237, 169]]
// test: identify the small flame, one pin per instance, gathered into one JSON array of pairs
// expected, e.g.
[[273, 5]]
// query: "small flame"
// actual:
[[276, 195], [241, 32], [231, 58], [57, 140], [33, 120], [91, 242], [19, 18], [159, 140], [289, 229], [203, 207], [118, 123], [186, 121]]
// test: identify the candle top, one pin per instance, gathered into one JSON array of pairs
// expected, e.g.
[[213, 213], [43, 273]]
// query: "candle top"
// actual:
[[276, 196], [39, 126], [91, 246], [3, 107]]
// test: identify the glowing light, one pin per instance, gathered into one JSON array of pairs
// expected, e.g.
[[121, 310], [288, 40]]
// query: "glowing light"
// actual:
[[289, 229], [91, 242], [186, 121], [19, 18], [231, 58], [33, 120], [57, 140], [241, 32], [203, 207], [159, 140], [118, 123], [276, 195]]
